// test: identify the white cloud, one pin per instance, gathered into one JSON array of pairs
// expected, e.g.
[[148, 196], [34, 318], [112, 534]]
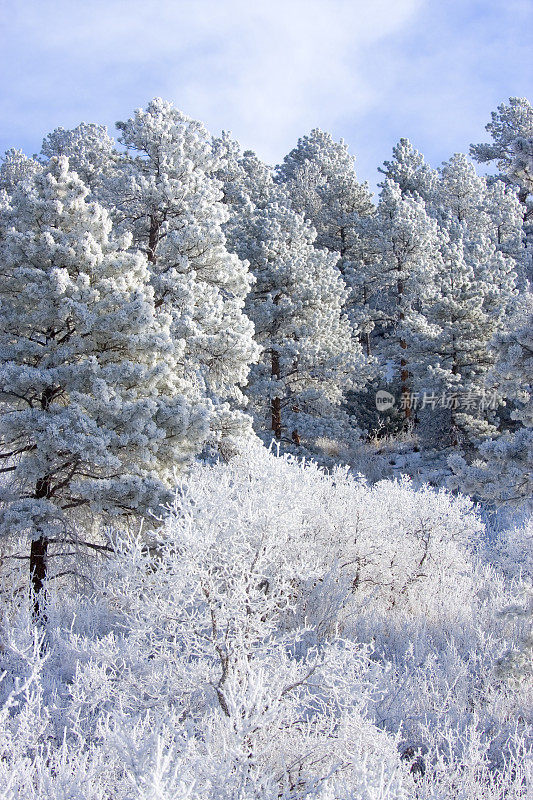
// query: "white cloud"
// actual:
[[268, 70]]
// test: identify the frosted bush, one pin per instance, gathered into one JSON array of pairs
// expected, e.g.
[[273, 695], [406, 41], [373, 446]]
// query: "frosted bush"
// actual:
[[279, 633]]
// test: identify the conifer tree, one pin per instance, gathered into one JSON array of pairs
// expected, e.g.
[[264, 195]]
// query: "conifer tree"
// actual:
[[472, 294], [90, 150], [310, 355], [96, 409], [409, 170], [15, 168], [502, 471], [407, 247], [511, 129], [244, 177], [166, 195], [320, 177]]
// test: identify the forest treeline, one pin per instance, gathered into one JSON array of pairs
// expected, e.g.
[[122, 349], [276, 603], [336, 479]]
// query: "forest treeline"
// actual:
[[186, 613], [169, 296]]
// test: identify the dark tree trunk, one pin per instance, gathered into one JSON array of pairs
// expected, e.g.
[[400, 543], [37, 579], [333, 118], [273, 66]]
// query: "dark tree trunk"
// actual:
[[38, 553], [404, 371], [276, 401], [343, 243], [455, 371], [39, 546], [153, 238], [365, 337]]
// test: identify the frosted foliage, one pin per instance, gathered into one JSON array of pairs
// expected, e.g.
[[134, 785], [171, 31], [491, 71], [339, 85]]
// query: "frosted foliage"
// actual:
[[15, 168], [320, 178], [461, 189], [199, 627], [166, 195], [511, 130], [486, 215], [506, 215], [409, 170], [95, 409], [244, 177], [408, 246], [471, 294], [404, 244], [502, 473], [89, 149], [464, 312], [284, 634], [310, 353]]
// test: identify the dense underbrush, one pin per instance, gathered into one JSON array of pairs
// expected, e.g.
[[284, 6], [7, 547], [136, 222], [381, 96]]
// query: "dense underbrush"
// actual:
[[282, 633]]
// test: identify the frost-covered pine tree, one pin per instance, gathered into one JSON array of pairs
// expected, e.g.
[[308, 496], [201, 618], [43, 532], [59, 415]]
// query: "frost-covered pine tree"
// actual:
[[96, 409], [319, 175], [90, 150], [511, 130], [461, 192], [455, 353], [407, 256], [310, 354], [471, 296], [310, 350], [502, 472], [409, 170], [16, 167], [244, 177], [320, 179], [247, 185], [165, 194], [506, 231]]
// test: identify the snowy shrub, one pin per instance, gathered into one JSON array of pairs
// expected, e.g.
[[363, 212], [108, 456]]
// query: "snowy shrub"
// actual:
[[281, 634]]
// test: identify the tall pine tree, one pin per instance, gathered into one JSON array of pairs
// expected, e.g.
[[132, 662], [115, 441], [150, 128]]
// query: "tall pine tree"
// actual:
[[96, 409]]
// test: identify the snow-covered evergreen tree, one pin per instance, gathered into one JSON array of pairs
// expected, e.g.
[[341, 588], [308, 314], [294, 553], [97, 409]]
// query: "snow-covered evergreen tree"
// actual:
[[407, 256], [320, 179], [506, 231], [15, 168], [455, 353], [244, 177], [310, 349], [165, 194], [409, 170], [511, 130], [90, 150], [502, 472], [310, 354], [96, 409], [472, 294], [319, 175]]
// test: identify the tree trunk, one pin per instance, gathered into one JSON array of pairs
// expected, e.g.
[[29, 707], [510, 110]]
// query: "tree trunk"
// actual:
[[404, 371], [153, 239], [365, 337], [38, 552], [276, 401], [343, 244], [455, 371], [39, 546]]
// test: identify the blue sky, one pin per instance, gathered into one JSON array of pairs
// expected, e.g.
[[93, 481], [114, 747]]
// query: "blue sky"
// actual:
[[369, 71]]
